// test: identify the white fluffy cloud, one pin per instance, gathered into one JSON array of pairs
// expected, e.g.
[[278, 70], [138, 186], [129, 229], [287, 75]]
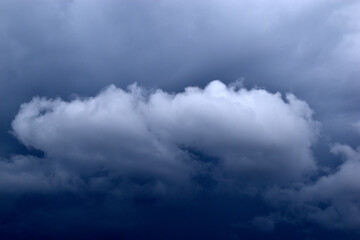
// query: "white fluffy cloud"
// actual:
[[254, 135]]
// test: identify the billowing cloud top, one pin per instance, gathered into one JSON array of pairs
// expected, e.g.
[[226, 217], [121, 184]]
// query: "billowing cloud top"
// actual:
[[253, 134]]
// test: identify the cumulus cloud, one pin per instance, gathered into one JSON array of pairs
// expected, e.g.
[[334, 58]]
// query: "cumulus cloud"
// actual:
[[222, 139], [139, 147], [147, 145], [60, 47], [246, 136], [253, 133]]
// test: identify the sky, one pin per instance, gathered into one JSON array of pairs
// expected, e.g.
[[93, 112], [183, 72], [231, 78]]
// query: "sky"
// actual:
[[179, 119]]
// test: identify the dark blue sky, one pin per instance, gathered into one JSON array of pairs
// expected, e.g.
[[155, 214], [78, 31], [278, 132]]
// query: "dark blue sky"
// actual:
[[179, 119]]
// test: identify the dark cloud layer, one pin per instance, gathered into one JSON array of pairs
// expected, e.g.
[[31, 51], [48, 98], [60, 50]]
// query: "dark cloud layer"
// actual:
[[137, 153], [240, 158]]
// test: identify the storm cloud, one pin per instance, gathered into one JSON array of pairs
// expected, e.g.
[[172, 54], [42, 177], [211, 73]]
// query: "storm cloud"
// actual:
[[148, 146], [112, 125], [251, 135]]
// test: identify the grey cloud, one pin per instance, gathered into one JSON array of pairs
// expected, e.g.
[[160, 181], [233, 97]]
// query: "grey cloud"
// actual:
[[60, 47], [254, 134], [24, 174], [134, 148], [356, 125], [338, 193], [142, 143], [330, 201]]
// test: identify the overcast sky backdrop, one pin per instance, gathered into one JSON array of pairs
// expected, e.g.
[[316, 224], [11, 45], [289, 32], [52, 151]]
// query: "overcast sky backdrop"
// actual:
[[179, 119]]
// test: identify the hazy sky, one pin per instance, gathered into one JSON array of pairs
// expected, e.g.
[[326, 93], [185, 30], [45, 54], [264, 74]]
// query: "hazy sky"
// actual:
[[169, 119]]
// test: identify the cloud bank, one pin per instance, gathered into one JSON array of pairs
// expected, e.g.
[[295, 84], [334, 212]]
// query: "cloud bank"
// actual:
[[216, 161], [248, 135], [150, 146], [60, 47]]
